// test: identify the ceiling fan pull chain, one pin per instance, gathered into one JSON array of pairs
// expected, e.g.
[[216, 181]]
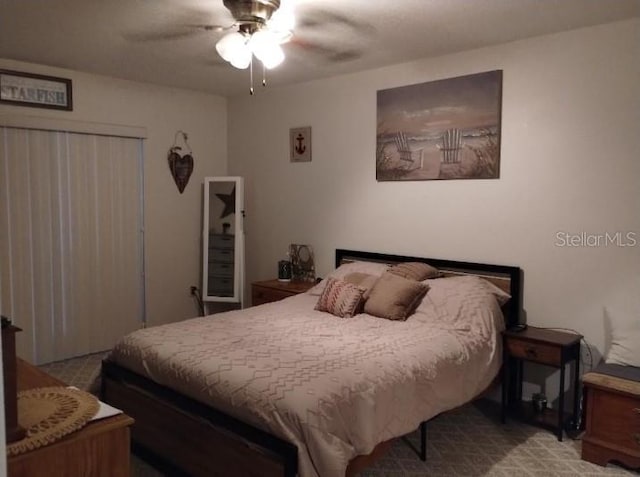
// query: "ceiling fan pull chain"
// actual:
[[251, 76], [264, 75]]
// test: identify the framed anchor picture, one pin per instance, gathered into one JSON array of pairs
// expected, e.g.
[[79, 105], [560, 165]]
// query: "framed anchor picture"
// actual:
[[300, 144]]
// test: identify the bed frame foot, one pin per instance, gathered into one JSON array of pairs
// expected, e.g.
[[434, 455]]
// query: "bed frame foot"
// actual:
[[423, 441], [422, 450]]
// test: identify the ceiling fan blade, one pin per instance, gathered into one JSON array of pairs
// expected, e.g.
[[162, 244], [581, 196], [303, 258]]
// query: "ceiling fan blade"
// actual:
[[335, 36], [214, 28], [175, 33], [331, 53], [319, 19], [183, 22]]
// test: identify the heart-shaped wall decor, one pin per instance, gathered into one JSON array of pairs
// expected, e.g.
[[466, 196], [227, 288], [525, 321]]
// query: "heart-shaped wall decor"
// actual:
[[181, 168]]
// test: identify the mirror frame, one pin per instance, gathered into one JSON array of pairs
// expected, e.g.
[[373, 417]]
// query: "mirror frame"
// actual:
[[238, 231]]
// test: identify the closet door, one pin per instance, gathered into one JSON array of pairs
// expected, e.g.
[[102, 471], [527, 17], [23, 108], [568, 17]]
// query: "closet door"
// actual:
[[223, 240], [71, 269]]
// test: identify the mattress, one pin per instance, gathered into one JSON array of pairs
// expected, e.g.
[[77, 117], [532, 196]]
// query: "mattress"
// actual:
[[334, 387]]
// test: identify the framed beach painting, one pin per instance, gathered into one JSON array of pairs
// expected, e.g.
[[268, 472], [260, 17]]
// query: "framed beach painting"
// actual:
[[445, 129]]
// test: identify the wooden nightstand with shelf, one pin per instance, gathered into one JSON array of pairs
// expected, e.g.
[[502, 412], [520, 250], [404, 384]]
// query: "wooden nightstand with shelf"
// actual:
[[541, 346], [273, 290]]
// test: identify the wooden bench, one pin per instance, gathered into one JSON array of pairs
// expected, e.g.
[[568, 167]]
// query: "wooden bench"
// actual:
[[613, 415]]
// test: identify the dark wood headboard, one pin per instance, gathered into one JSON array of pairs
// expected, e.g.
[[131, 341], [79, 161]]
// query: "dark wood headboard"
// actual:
[[506, 277]]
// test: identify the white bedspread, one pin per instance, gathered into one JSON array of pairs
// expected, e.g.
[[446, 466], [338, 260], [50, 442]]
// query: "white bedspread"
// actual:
[[334, 387]]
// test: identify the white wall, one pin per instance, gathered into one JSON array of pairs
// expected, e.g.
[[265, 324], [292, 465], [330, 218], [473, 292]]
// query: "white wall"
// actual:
[[172, 221], [570, 162]]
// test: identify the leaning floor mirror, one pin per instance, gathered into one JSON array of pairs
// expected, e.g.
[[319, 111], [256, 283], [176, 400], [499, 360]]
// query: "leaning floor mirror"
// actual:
[[223, 240]]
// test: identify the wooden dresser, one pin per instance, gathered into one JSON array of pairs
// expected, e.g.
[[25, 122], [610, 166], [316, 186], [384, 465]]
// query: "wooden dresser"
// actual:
[[613, 416], [273, 290], [100, 449], [221, 264]]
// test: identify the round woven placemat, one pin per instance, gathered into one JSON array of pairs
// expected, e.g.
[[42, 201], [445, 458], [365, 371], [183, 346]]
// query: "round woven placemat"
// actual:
[[48, 414]]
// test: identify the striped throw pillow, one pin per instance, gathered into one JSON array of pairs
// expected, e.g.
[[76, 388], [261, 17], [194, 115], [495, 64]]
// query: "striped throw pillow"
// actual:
[[340, 298]]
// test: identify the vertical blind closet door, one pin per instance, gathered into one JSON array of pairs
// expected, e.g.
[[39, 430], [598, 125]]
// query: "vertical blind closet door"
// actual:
[[71, 261]]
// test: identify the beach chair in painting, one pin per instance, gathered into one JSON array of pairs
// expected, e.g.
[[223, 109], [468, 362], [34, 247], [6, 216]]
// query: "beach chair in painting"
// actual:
[[451, 145], [410, 159]]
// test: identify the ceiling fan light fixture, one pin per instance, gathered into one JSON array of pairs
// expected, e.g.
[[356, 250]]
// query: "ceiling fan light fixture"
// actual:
[[271, 57], [265, 45], [262, 28], [230, 44], [241, 59]]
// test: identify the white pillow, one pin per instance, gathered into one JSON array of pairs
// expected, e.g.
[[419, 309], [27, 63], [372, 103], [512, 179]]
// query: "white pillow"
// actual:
[[370, 268], [625, 337]]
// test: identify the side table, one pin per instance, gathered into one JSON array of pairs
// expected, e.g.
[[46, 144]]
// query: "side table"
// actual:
[[274, 290], [541, 346]]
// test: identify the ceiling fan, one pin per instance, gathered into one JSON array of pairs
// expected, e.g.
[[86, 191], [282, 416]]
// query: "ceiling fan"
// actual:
[[259, 28]]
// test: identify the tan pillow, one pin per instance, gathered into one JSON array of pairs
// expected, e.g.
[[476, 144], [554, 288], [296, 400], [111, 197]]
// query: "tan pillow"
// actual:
[[415, 271], [371, 268], [363, 281], [340, 298], [394, 297]]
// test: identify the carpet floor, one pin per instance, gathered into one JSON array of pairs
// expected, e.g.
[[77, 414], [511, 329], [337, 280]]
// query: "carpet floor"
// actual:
[[470, 441]]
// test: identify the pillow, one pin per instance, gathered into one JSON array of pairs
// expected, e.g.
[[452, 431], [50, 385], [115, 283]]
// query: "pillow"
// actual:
[[362, 280], [371, 268], [462, 302], [394, 297], [625, 337], [415, 271], [501, 296], [340, 298]]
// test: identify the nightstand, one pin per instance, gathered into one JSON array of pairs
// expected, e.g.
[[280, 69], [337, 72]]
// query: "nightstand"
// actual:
[[273, 290], [542, 346]]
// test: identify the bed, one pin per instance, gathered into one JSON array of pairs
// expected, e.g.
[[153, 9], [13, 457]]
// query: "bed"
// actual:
[[284, 390]]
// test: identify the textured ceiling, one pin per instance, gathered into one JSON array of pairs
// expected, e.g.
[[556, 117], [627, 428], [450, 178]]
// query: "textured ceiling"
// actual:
[[157, 41]]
